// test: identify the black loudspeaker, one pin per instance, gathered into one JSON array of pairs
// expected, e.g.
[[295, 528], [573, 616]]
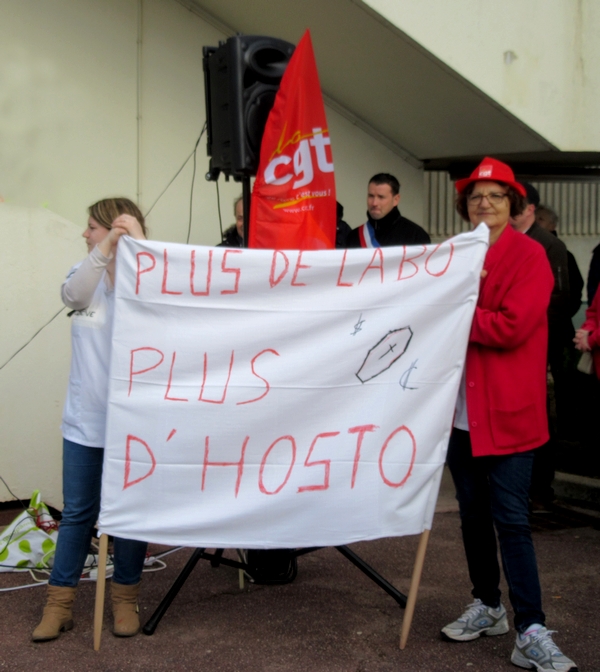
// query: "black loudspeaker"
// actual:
[[241, 79], [272, 565]]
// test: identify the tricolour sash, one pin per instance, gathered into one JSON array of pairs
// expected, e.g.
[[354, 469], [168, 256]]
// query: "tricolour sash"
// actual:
[[366, 235]]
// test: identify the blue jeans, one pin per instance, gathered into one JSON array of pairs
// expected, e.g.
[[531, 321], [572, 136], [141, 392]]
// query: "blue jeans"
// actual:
[[82, 481], [493, 492]]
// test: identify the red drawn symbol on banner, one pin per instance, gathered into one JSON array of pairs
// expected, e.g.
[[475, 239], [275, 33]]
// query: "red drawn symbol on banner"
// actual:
[[263, 463], [377, 252], [164, 289], [325, 463], [235, 271], [133, 373], [239, 464], [276, 280], [169, 382], [205, 292], [413, 454], [431, 255], [141, 270], [205, 370], [128, 483], [361, 430], [265, 381]]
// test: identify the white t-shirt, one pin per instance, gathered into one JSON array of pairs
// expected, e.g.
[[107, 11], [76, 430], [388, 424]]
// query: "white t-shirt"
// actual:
[[86, 290]]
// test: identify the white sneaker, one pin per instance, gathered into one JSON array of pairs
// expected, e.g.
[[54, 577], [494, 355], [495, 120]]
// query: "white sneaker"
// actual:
[[478, 619], [537, 651]]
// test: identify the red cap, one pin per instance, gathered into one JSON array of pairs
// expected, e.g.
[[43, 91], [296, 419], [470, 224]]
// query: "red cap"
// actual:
[[491, 170]]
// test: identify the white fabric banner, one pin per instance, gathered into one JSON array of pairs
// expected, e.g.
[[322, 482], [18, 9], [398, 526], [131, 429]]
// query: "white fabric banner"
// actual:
[[263, 399]]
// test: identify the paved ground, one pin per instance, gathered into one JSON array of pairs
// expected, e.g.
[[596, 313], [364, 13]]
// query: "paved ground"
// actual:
[[330, 619]]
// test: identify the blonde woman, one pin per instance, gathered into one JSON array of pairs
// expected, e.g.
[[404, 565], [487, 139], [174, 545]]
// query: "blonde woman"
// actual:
[[89, 291]]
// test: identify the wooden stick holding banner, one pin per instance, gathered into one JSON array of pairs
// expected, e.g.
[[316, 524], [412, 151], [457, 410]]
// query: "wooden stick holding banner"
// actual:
[[100, 591], [414, 588]]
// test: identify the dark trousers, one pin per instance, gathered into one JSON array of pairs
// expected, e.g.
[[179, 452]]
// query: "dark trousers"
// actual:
[[494, 492]]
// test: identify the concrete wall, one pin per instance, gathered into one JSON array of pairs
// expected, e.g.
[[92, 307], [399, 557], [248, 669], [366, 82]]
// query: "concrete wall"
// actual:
[[540, 58], [357, 157], [39, 247], [87, 113]]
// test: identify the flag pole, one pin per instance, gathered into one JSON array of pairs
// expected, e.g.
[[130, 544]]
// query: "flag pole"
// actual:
[[246, 208]]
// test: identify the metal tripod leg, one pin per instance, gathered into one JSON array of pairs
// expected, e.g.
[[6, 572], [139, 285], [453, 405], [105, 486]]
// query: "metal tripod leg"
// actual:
[[160, 611], [373, 575], [217, 559]]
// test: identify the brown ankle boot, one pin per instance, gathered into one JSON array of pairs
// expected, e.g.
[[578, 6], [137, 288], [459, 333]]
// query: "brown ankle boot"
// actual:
[[126, 621], [58, 615]]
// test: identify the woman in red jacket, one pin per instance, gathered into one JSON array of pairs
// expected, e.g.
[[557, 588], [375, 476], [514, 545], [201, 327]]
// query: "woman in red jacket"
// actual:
[[500, 418]]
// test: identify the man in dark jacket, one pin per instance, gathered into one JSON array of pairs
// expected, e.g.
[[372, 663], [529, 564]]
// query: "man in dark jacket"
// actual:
[[342, 228], [558, 313], [547, 218], [385, 225]]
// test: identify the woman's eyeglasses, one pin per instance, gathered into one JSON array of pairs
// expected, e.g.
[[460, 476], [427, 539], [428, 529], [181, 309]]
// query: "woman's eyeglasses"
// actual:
[[495, 198]]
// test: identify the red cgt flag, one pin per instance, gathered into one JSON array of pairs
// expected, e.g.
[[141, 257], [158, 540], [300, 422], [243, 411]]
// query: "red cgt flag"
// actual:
[[293, 199]]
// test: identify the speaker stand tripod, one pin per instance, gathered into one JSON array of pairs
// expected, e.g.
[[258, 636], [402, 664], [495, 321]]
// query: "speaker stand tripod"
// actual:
[[217, 559]]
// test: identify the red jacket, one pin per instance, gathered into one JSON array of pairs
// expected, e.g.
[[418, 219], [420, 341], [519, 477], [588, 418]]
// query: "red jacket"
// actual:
[[506, 356], [592, 315]]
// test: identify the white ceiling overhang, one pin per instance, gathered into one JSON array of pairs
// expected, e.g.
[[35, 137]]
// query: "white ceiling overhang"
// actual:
[[381, 80]]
